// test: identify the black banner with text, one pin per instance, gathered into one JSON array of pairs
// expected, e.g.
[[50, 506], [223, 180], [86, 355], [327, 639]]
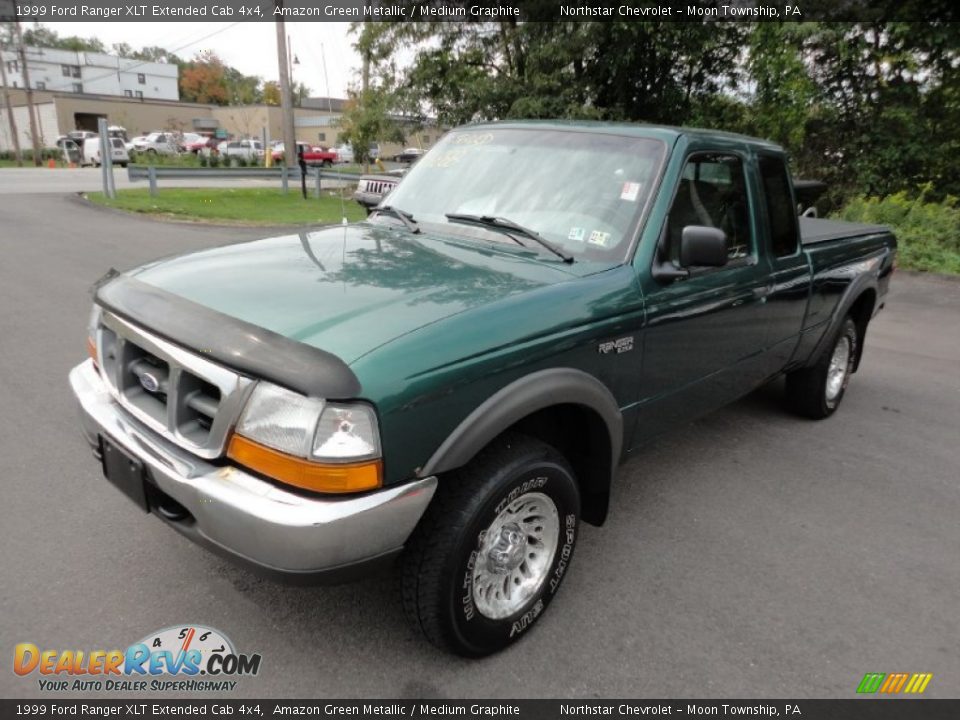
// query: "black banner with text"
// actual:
[[865, 709], [475, 10]]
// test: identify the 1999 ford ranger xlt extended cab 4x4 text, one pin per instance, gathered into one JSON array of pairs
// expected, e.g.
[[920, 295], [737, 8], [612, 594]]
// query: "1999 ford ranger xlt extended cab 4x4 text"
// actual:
[[455, 380]]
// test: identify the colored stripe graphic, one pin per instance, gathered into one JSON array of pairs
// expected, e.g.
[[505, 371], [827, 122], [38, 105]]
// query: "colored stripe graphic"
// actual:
[[871, 682], [918, 683], [893, 683]]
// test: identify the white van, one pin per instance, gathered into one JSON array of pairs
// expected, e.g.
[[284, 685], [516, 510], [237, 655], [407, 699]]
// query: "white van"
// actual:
[[118, 152]]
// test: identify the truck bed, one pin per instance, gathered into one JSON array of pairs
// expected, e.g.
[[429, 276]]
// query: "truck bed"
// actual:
[[815, 230]]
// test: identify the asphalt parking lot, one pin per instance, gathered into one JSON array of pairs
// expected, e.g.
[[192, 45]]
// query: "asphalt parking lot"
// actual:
[[751, 554]]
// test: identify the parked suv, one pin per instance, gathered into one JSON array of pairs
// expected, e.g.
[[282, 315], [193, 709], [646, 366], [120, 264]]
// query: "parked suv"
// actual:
[[246, 149], [157, 143]]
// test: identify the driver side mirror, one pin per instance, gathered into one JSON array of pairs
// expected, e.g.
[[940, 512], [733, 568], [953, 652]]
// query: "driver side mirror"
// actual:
[[701, 245]]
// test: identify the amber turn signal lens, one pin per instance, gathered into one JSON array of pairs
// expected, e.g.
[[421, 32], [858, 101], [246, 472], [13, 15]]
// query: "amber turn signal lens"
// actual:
[[319, 477], [92, 350]]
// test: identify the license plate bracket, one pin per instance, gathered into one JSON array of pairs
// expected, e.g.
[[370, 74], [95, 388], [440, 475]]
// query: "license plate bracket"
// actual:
[[124, 472]]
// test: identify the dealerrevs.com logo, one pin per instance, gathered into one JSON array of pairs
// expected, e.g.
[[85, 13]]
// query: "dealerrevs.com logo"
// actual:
[[178, 658]]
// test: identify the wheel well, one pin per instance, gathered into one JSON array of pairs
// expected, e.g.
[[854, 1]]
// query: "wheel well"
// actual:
[[861, 311], [581, 436]]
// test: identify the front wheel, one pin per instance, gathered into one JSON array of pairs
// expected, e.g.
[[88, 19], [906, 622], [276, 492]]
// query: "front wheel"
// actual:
[[493, 548], [816, 392]]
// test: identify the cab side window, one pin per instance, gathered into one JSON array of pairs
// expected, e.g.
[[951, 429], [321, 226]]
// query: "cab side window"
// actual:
[[712, 192]]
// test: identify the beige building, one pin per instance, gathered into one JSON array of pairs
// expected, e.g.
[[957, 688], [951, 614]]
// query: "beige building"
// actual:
[[59, 113]]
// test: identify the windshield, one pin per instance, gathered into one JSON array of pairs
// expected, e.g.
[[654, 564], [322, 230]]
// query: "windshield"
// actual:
[[581, 191]]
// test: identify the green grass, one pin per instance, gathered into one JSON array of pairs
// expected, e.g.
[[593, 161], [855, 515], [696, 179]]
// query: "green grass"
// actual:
[[242, 206], [928, 232], [27, 162]]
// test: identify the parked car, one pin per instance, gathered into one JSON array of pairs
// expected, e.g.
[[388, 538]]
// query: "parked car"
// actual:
[[373, 188], [277, 149], [156, 143], [187, 140], [312, 154], [408, 155], [92, 154], [118, 131], [344, 154], [69, 150], [80, 136], [246, 149], [454, 381], [205, 145]]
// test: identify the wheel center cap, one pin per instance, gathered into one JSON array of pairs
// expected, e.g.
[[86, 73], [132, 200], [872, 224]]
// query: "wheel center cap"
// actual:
[[508, 549]]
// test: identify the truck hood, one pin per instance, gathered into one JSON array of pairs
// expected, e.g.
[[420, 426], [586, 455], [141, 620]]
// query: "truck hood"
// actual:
[[350, 289]]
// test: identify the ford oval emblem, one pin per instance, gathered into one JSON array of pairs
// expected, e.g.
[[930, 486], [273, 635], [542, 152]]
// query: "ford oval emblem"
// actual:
[[149, 382]]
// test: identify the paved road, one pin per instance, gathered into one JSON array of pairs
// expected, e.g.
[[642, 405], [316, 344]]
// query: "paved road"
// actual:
[[749, 554]]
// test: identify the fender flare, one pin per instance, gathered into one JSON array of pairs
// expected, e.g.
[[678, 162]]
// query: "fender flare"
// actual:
[[862, 283], [517, 400]]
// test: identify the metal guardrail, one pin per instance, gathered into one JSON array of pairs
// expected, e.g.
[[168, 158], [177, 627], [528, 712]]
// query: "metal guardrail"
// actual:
[[153, 173]]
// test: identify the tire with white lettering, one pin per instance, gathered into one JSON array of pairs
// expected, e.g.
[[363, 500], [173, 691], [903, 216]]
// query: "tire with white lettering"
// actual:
[[493, 548]]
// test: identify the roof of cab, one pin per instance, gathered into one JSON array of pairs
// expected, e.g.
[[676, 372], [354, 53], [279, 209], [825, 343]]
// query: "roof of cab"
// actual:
[[666, 133]]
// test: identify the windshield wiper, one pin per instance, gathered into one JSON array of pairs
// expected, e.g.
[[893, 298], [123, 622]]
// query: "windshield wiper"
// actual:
[[402, 215], [504, 224]]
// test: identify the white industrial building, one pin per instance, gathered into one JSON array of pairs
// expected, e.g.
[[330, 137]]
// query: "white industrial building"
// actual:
[[92, 73]]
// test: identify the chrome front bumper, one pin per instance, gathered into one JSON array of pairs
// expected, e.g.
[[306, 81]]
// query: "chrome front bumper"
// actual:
[[248, 519]]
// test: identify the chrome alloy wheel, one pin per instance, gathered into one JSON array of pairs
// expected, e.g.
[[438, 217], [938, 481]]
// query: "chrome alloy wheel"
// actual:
[[837, 372], [516, 555]]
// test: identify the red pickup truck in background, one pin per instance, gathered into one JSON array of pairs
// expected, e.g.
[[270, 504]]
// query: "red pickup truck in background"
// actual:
[[312, 154]]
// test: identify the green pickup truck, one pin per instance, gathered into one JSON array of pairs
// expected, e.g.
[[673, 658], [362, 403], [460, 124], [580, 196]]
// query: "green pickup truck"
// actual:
[[450, 386]]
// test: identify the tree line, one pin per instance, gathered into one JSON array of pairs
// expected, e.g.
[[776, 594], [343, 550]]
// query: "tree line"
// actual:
[[870, 107]]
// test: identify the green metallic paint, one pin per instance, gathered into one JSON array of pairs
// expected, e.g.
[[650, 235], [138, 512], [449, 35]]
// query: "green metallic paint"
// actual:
[[434, 325], [349, 289]]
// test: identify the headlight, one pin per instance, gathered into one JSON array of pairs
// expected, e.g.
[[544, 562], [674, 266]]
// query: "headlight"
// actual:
[[301, 441], [280, 419], [92, 324]]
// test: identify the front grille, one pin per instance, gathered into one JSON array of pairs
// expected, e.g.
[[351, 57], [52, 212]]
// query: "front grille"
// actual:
[[183, 396], [381, 187], [377, 187]]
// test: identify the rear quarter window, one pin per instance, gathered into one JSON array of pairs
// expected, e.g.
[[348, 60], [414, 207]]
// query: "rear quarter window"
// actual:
[[781, 212]]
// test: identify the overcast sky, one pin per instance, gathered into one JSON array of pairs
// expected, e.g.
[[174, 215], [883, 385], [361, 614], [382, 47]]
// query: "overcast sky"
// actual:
[[250, 47]]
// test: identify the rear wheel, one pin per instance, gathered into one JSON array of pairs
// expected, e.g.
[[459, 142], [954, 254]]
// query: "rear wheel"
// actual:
[[816, 392], [493, 548]]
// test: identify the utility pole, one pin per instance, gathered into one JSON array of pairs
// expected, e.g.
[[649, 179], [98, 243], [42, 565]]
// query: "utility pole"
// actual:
[[13, 121], [286, 102], [34, 134], [365, 82]]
